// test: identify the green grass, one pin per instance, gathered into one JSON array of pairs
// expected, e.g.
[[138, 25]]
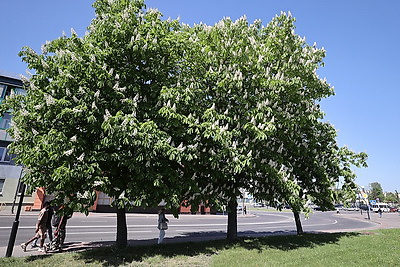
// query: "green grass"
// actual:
[[375, 248]]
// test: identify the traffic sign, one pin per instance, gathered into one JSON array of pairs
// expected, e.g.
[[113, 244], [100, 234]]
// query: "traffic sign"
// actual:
[[372, 202]]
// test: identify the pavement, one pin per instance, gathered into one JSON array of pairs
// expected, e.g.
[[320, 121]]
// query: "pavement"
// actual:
[[388, 220]]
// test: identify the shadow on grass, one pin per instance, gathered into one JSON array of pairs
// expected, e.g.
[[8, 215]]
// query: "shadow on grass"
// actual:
[[112, 256]]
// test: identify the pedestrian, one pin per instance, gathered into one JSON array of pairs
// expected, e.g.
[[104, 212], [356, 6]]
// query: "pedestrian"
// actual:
[[40, 231], [63, 215], [244, 210], [162, 224], [50, 212], [380, 212]]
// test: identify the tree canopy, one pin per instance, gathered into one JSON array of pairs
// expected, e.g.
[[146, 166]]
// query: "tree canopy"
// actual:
[[376, 192], [146, 109]]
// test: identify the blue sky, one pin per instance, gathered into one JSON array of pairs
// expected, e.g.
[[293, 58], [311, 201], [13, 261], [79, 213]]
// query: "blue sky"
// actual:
[[361, 38]]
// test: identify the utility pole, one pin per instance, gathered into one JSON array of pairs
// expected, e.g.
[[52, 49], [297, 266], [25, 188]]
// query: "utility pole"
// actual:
[[365, 196], [14, 229], [17, 190]]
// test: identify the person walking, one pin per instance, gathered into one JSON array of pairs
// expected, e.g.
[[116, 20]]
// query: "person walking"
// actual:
[[50, 212], [60, 219], [162, 224], [380, 212], [40, 231]]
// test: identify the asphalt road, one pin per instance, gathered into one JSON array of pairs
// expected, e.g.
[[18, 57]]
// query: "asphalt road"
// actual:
[[102, 226]]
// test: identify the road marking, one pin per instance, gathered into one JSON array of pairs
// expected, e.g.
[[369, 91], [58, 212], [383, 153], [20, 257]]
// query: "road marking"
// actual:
[[319, 224], [95, 221], [113, 232]]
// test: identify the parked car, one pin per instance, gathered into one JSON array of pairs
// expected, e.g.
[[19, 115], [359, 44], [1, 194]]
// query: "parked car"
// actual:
[[339, 206], [351, 208], [365, 207], [393, 209]]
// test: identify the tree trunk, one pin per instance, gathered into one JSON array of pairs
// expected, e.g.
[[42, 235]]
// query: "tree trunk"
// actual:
[[122, 233], [232, 220], [299, 228]]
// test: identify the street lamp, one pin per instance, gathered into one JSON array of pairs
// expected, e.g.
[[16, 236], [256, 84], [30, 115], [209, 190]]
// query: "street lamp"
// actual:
[[14, 229], [365, 196]]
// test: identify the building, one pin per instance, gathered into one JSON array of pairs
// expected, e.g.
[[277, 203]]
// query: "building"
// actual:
[[10, 174]]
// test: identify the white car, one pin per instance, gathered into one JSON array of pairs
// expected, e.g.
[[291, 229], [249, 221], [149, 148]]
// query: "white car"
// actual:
[[352, 209]]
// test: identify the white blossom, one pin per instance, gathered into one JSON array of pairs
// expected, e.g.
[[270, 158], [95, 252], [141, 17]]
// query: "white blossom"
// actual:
[[107, 115], [49, 99], [81, 157], [68, 152], [98, 183]]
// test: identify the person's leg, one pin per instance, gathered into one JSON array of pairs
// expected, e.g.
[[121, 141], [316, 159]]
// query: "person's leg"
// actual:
[[34, 243], [62, 234], [161, 237], [42, 247], [50, 232], [24, 245]]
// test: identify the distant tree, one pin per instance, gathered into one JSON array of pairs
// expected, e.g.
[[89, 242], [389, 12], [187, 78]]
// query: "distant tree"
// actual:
[[376, 191], [391, 197]]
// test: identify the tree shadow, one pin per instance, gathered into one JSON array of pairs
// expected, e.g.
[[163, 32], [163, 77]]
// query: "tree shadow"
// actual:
[[207, 243]]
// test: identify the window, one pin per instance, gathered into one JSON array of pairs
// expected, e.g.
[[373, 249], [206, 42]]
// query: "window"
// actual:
[[2, 89], [19, 91], [5, 121], [104, 199], [9, 90], [5, 156], [1, 185]]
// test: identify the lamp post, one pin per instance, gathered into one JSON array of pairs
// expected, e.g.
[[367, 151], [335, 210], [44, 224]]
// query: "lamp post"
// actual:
[[14, 229], [365, 196], [17, 190]]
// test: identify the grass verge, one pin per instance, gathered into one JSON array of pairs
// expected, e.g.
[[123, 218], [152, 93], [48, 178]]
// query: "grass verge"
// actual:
[[374, 248]]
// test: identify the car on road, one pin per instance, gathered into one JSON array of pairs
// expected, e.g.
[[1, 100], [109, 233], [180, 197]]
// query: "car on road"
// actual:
[[382, 206], [365, 207], [393, 209], [352, 208], [258, 205], [338, 206]]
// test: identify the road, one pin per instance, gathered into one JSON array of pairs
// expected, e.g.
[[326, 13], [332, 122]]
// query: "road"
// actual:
[[102, 227]]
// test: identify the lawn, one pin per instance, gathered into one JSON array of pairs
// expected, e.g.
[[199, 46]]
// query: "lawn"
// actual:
[[373, 248]]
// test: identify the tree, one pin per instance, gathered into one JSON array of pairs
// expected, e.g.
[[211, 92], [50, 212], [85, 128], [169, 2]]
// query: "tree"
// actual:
[[391, 197], [90, 118], [309, 160], [212, 100], [139, 105], [376, 192], [247, 95]]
